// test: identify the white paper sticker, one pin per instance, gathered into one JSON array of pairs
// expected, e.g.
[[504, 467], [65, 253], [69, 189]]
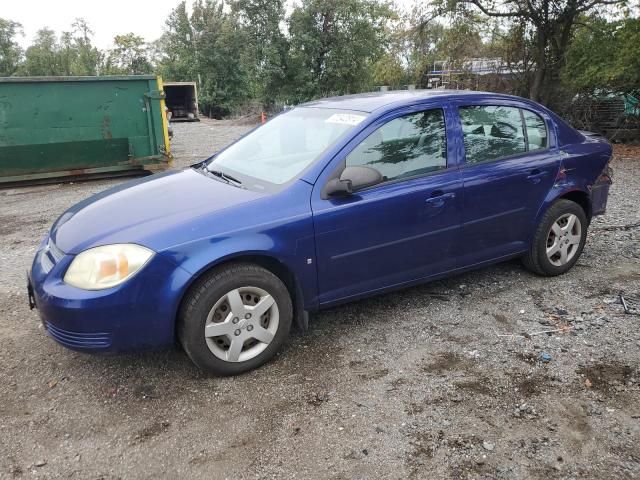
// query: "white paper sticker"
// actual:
[[345, 118]]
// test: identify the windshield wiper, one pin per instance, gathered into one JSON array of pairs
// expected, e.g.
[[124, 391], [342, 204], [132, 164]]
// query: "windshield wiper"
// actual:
[[223, 176], [226, 176]]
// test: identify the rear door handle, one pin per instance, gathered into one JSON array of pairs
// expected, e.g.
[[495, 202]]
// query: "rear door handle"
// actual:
[[438, 197], [536, 175]]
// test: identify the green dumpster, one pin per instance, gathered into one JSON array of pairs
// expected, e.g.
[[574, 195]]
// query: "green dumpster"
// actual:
[[52, 127]]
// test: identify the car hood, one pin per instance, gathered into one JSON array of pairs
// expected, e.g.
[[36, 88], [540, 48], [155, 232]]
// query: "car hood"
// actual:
[[141, 211]]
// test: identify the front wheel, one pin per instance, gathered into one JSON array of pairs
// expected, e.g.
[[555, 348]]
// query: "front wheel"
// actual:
[[558, 240], [235, 319]]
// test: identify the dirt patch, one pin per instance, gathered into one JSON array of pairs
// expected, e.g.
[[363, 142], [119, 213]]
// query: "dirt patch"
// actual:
[[12, 223], [500, 318], [605, 377], [150, 431], [529, 385], [445, 362], [481, 386], [527, 357], [423, 447]]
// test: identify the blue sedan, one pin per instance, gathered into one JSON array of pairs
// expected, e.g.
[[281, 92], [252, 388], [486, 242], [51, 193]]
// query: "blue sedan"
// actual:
[[335, 200]]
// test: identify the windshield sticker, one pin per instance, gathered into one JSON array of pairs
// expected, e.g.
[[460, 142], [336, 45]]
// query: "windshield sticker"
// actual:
[[345, 118]]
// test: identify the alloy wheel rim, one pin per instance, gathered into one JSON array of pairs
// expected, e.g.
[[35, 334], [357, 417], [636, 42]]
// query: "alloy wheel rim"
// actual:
[[563, 239], [242, 324]]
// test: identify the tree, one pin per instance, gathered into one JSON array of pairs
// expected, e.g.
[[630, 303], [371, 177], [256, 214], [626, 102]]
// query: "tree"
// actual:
[[388, 70], [10, 51], [175, 49], [334, 45], [551, 24], [212, 47], [41, 58], [604, 54], [88, 57], [67, 55], [268, 47], [419, 39], [220, 49], [128, 56]]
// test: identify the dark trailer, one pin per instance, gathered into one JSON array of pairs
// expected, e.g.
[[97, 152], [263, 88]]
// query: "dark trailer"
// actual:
[[182, 101]]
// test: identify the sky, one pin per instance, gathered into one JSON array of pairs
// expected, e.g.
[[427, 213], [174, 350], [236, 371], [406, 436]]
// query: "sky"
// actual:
[[107, 19]]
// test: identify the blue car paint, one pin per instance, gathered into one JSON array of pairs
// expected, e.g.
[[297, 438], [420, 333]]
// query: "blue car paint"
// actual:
[[335, 249]]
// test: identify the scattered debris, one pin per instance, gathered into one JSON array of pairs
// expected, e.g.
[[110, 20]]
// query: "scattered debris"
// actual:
[[525, 411], [610, 228], [439, 295], [627, 304], [318, 398], [624, 304], [145, 391], [564, 329], [545, 357], [488, 446]]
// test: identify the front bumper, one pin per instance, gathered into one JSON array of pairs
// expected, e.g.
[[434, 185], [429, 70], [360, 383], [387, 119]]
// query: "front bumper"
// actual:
[[136, 315]]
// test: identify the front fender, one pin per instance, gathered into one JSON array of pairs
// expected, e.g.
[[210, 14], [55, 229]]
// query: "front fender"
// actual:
[[296, 253]]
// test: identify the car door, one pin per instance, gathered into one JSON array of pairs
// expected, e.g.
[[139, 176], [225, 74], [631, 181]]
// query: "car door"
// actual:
[[510, 164], [401, 230]]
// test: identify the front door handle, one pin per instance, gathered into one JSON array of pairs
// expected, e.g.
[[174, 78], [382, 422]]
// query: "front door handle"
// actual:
[[438, 197]]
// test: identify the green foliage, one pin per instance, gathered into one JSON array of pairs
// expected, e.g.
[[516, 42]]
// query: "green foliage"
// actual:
[[266, 49], [71, 54], [209, 46], [87, 57], [175, 49], [604, 55], [42, 57], [128, 56], [388, 70], [334, 45], [10, 51]]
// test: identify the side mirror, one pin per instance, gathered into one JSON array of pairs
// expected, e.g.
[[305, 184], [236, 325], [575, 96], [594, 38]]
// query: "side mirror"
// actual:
[[353, 179], [361, 177], [337, 187]]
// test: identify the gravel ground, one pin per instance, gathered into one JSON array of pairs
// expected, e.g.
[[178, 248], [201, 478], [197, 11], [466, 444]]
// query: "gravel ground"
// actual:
[[414, 384]]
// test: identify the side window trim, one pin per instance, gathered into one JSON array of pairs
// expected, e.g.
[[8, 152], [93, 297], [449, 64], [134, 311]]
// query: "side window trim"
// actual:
[[449, 163], [524, 130], [458, 105], [546, 128]]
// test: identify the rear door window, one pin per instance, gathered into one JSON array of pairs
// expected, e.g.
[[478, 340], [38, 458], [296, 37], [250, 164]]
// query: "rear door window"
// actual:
[[492, 132]]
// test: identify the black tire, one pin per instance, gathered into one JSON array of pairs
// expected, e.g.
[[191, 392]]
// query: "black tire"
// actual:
[[202, 297], [536, 259]]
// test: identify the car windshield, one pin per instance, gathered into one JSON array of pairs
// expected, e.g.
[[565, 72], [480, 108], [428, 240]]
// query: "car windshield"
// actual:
[[282, 148]]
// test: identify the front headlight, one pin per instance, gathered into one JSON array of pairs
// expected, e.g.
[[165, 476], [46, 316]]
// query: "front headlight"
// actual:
[[107, 266]]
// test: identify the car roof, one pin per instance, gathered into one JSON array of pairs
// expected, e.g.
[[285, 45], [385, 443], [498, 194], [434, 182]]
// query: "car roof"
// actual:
[[369, 102]]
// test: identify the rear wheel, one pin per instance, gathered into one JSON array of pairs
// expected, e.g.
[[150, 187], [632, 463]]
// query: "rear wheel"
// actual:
[[235, 319], [558, 240]]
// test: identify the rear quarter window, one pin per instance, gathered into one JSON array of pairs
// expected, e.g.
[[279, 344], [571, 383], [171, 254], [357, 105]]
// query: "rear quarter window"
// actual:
[[537, 136]]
